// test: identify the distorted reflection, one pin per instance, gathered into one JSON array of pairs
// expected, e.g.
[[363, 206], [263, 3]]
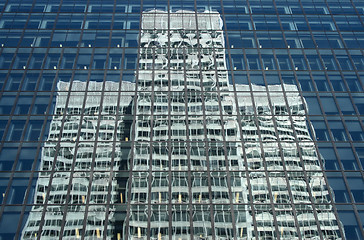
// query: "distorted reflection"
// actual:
[[207, 159]]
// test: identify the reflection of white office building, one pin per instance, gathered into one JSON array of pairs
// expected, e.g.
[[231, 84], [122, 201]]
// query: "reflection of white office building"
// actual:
[[208, 160], [76, 162], [283, 165], [191, 153], [188, 127]]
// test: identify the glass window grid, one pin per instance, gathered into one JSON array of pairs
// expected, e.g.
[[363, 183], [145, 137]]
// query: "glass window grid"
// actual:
[[326, 117]]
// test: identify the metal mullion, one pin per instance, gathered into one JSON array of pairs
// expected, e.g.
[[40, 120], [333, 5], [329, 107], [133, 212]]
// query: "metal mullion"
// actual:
[[53, 170], [294, 212], [2, 90], [340, 71], [231, 198], [343, 171], [61, 131], [324, 115], [353, 202], [3, 9], [48, 47], [356, 11], [81, 34], [293, 203], [27, 193], [330, 191], [17, 49], [325, 119], [43, 63], [19, 91], [316, 48], [11, 116], [259, 133], [78, 139], [337, 28], [352, 142], [295, 75], [255, 231], [132, 132], [207, 145], [301, 160], [120, 92], [351, 61], [98, 123], [16, 99], [96, 140], [347, 92], [169, 131], [33, 170], [223, 134], [267, 178], [82, 31], [150, 175], [8, 189], [310, 127], [112, 177], [326, 75], [126, 203], [112, 171], [92, 170], [188, 141], [41, 74], [339, 109], [72, 170], [11, 177], [282, 31], [21, 142], [251, 204], [111, 30], [151, 178], [246, 162], [261, 146], [90, 68]]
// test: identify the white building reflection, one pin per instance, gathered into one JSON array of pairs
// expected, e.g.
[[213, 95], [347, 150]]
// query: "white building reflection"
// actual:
[[209, 160], [188, 134], [76, 180]]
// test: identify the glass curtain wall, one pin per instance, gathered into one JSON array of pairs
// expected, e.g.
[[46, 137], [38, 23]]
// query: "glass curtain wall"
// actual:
[[181, 119]]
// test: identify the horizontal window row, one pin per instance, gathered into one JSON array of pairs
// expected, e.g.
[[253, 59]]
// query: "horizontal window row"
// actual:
[[228, 7], [180, 193], [240, 60], [129, 38], [33, 80], [233, 22]]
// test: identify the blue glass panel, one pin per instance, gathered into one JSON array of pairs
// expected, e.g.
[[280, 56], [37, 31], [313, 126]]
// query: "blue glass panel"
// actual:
[[8, 224], [338, 185], [347, 158], [329, 158], [351, 226]]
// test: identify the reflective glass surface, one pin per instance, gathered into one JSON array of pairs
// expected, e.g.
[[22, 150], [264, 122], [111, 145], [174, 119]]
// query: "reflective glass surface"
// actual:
[[171, 119]]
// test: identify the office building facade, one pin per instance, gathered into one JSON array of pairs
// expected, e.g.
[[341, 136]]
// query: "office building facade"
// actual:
[[182, 120]]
